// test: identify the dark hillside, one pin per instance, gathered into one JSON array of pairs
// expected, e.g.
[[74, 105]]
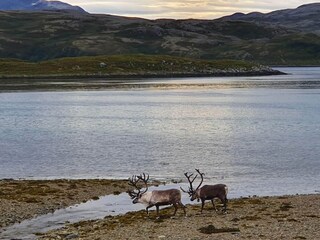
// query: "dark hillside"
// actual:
[[47, 35], [304, 18]]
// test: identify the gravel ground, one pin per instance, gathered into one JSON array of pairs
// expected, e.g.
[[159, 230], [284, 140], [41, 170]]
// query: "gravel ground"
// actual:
[[285, 217]]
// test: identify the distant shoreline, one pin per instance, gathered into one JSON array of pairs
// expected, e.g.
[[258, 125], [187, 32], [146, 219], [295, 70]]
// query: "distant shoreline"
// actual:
[[100, 85], [83, 71], [143, 76], [107, 82]]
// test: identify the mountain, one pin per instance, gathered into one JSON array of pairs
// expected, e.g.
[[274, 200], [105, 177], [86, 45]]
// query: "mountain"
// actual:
[[46, 35], [37, 5], [304, 18]]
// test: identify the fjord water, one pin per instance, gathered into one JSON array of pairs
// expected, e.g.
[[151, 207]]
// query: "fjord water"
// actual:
[[263, 141]]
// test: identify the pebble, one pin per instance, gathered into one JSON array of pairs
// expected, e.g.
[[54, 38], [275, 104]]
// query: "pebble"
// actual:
[[72, 236]]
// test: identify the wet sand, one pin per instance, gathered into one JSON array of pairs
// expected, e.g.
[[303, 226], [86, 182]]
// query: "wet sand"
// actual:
[[25, 199], [285, 217]]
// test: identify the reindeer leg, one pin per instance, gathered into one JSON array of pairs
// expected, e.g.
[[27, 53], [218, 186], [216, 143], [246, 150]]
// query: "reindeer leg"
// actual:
[[147, 209], [183, 207], [225, 205], [214, 206], [224, 200], [175, 209], [202, 204], [157, 207]]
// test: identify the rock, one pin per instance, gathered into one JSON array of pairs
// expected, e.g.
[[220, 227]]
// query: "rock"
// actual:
[[72, 236], [103, 65]]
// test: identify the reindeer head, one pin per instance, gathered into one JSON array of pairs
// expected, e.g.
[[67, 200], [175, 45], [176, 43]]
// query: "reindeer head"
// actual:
[[193, 193], [133, 181]]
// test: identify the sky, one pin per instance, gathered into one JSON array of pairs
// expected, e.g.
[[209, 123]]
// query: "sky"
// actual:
[[206, 9]]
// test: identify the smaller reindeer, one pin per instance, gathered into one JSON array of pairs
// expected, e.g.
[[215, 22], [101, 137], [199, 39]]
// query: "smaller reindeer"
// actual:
[[155, 198], [207, 192]]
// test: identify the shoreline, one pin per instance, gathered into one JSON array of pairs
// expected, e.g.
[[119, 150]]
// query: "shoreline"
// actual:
[[143, 76], [145, 82], [25, 199], [282, 217], [107, 82], [105, 86]]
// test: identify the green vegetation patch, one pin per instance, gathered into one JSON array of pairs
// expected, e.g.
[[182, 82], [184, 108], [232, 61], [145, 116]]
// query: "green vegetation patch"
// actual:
[[121, 65]]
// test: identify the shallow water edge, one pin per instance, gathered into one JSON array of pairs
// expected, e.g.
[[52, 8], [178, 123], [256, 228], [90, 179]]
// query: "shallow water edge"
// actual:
[[99, 208]]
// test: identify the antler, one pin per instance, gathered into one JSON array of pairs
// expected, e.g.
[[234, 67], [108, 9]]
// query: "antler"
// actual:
[[133, 181], [201, 175], [190, 182], [145, 178]]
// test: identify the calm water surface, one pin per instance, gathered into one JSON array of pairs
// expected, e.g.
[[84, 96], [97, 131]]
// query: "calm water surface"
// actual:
[[259, 141]]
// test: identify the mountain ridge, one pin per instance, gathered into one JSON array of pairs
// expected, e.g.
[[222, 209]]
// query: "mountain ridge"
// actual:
[[40, 36], [304, 17], [38, 5]]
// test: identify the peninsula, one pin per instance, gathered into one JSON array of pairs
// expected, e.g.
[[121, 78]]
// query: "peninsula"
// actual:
[[101, 72]]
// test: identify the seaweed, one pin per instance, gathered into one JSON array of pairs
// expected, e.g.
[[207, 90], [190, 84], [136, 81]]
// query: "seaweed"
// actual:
[[251, 218], [285, 206], [210, 229]]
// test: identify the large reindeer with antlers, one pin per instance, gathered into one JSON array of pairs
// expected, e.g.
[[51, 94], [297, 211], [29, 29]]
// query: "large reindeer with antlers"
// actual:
[[207, 192], [156, 197]]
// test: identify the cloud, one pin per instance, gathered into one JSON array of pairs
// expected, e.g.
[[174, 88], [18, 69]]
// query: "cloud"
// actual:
[[207, 9]]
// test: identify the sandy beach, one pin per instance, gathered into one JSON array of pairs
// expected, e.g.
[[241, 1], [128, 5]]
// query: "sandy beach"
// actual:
[[284, 217]]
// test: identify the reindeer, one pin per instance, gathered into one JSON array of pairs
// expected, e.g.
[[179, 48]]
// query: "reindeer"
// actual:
[[207, 192], [156, 197]]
